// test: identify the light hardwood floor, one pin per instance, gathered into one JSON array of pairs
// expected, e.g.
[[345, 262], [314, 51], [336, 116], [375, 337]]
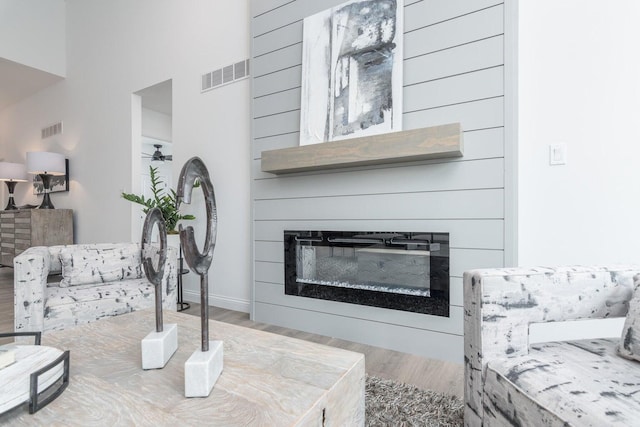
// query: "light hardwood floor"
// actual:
[[407, 368]]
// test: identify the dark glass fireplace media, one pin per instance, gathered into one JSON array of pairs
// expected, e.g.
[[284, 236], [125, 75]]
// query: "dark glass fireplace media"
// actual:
[[406, 271]]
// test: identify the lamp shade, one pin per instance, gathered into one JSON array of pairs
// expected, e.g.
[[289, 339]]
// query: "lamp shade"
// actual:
[[13, 172], [43, 162]]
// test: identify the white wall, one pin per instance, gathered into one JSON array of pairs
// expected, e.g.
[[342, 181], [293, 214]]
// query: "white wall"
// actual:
[[156, 125], [33, 34], [579, 84], [116, 48]]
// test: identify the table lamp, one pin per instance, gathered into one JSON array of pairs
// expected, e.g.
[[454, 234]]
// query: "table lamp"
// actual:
[[12, 173], [45, 164]]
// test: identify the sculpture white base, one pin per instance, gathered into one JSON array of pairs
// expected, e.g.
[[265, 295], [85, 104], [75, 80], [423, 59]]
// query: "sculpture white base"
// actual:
[[202, 370], [158, 347]]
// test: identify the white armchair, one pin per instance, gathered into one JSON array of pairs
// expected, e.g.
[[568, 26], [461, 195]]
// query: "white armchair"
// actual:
[[509, 381], [96, 281]]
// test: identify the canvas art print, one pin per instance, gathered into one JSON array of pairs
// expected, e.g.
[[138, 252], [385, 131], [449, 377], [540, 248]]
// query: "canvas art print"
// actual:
[[58, 182], [352, 71]]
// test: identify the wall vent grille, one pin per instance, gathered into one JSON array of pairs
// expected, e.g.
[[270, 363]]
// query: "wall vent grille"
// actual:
[[54, 129], [225, 75]]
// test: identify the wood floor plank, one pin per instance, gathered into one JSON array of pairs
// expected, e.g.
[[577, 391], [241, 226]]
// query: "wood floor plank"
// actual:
[[407, 368]]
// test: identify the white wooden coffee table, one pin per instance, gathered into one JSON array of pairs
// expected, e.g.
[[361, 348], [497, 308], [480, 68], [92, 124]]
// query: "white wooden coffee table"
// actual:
[[267, 379]]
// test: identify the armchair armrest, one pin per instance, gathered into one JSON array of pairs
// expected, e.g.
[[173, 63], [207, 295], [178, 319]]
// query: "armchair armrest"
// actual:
[[500, 304], [31, 269]]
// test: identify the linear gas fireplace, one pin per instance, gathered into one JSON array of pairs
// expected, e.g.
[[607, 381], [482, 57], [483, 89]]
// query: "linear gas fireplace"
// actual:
[[403, 271]]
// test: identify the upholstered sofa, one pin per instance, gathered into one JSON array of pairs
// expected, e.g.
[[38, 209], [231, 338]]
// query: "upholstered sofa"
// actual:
[[57, 287], [585, 382]]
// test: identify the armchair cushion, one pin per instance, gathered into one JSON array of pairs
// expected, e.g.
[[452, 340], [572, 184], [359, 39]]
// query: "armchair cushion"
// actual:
[[629, 345], [581, 382], [100, 263]]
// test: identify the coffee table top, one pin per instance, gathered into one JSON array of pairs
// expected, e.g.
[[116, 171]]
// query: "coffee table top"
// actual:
[[267, 379]]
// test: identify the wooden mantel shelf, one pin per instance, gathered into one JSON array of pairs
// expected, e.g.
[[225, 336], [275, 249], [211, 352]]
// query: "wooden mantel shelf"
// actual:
[[405, 146]]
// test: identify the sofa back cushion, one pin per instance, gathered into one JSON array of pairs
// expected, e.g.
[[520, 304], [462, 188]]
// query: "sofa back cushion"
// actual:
[[100, 263]]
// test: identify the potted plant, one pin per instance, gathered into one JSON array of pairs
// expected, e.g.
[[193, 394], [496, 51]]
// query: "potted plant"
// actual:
[[168, 203]]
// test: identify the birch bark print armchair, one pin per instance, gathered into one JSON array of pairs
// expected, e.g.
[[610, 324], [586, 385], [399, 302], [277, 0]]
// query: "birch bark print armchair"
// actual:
[[96, 281], [586, 382]]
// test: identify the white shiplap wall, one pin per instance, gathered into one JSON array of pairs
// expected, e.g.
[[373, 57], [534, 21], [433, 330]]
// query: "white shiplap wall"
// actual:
[[453, 72]]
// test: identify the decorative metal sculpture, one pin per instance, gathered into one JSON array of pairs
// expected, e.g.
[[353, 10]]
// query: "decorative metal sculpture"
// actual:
[[160, 345], [154, 217], [194, 169]]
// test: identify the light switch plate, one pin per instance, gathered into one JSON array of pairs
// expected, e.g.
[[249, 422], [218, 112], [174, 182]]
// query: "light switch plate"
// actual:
[[558, 154]]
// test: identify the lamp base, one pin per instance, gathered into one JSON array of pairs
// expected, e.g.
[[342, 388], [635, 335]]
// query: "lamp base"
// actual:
[[46, 200], [11, 205]]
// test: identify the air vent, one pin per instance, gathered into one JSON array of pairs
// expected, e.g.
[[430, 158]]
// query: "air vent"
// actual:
[[225, 75], [54, 129]]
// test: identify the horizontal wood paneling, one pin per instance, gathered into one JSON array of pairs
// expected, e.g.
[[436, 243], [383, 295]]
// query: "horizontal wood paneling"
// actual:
[[288, 78], [277, 124], [474, 115], [437, 177], [428, 12], [470, 234], [464, 204], [455, 32], [274, 294], [461, 59], [277, 60], [475, 69], [280, 102], [464, 29], [277, 39], [454, 90], [264, 6], [436, 345], [453, 72]]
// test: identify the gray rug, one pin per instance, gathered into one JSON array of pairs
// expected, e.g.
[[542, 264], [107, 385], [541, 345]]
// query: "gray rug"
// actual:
[[389, 403]]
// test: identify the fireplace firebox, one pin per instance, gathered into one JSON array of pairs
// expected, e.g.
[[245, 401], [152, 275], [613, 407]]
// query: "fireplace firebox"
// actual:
[[406, 271]]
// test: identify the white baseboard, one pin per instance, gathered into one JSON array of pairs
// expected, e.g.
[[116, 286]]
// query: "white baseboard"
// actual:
[[219, 301]]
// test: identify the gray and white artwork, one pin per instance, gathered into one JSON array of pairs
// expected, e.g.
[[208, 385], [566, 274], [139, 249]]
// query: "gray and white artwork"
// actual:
[[352, 71], [56, 182]]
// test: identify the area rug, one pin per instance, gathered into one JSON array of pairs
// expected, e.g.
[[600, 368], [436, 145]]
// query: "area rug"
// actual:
[[390, 403]]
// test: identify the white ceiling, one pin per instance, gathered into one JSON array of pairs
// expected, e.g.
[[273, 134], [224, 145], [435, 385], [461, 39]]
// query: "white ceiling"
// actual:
[[18, 82]]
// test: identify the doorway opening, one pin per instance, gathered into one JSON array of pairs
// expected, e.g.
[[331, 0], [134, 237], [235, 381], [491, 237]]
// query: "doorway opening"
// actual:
[[152, 144]]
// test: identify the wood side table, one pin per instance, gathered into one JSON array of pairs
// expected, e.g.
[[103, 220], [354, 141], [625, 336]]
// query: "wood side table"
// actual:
[[22, 228]]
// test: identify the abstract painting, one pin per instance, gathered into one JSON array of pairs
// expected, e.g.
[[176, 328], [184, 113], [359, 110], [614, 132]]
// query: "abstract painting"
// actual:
[[57, 182], [352, 71]]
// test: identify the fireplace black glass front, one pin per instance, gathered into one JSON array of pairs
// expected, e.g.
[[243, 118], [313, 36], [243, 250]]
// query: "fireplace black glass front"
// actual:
[[406, 271]]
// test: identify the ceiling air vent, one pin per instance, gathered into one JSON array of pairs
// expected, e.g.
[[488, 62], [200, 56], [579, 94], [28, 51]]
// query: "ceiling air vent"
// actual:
[[54, 129], [225, 75]]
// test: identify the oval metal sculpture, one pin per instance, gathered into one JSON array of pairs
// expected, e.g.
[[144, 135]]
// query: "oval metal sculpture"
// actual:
[[192, 171], [154, 218]]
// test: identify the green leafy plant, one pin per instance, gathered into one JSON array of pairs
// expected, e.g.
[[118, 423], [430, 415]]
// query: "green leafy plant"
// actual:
[[167, 202]]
